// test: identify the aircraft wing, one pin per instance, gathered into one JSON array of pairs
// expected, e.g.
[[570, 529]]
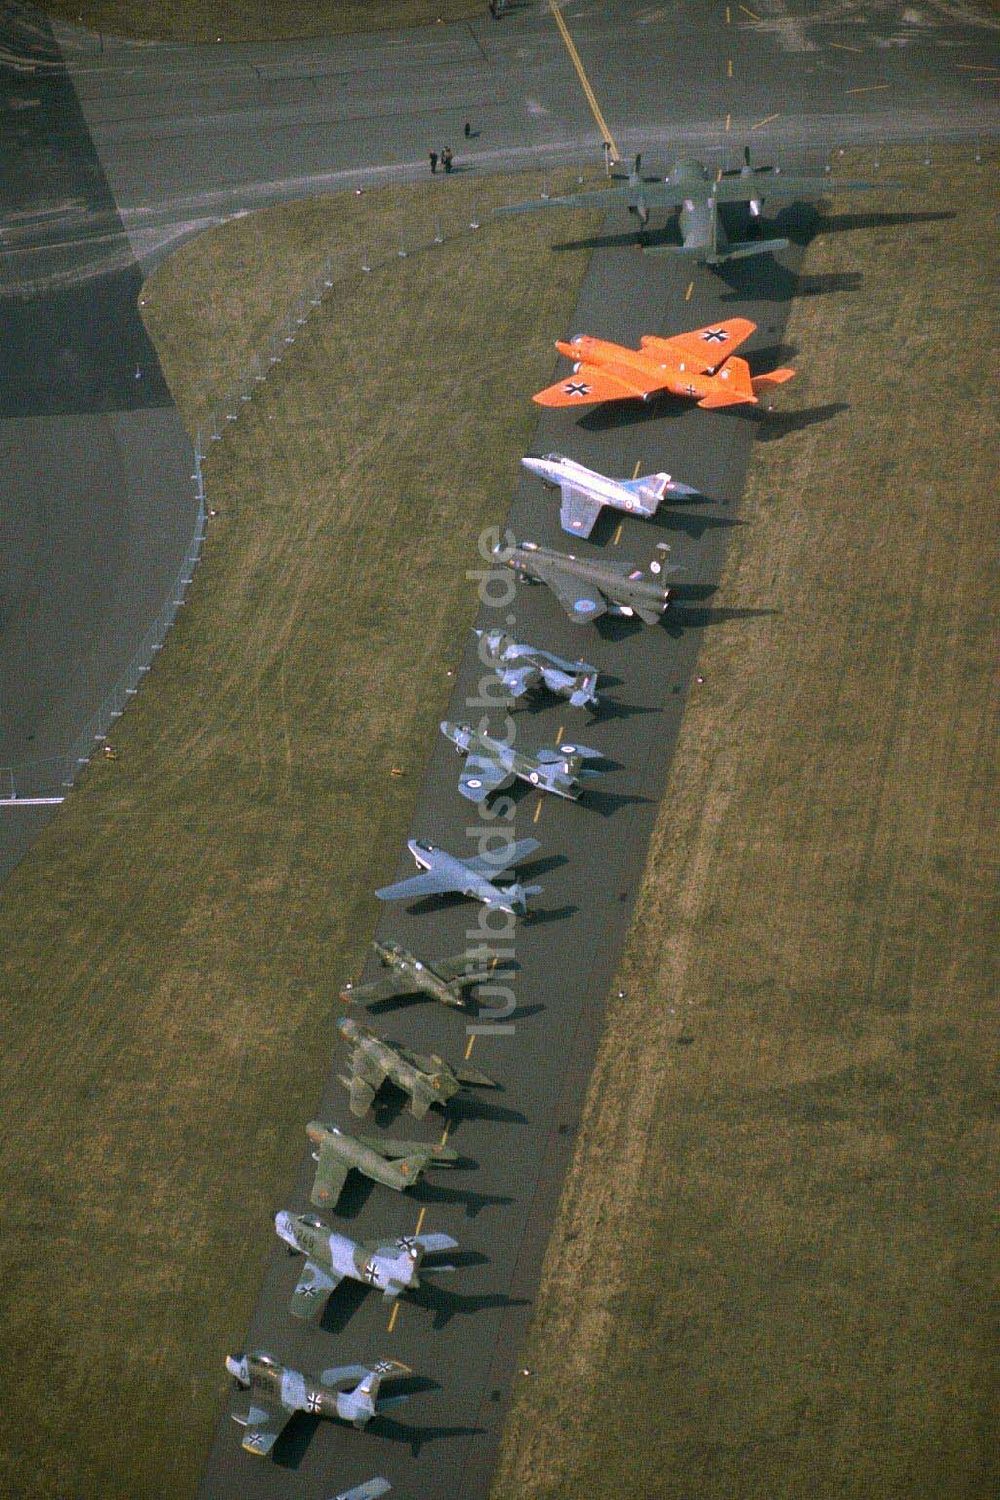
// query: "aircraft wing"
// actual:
[[331, 1174], [581, 601], [461, 966], [787, 186], [600, 198], [380, 989], [709, 346], [591, 383], [314, 1287], [480, 776], [363, 1091], [495, 861], [427, 883], [578, 511], [518, 680], [264, 1427]]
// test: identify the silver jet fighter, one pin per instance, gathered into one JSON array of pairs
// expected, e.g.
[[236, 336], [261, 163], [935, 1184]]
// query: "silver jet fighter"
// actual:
[[391, 1264], [350, 1392], [427, 1079], [371, 1489], [522, 667], [443, 873], [585, 493], [492, 764], [588, 587], [443, 979]]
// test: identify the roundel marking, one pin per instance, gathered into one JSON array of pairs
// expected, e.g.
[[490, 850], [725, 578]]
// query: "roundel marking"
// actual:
[[654, 567], [584, 606], [474, 782]]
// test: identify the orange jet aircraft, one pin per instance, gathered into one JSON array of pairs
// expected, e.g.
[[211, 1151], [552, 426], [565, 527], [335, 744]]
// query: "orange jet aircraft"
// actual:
[[697, 364]]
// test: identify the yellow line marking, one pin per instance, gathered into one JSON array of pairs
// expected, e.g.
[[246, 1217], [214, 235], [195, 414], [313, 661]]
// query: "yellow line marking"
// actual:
[[591, 97], [843, 47], [748, 12], [538, 811], [468, 1050], [560, 734], [393, 1316], [870, 88], [420, 1219], [618, 534], [729, 121], [766, 121], [444, 1133], [687, 294], [728, 16], [635, 471], [729, 67], [976, 67], [718, 174]]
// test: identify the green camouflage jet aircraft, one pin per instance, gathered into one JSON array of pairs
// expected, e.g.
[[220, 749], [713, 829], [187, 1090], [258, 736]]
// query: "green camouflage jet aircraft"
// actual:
[[428, 1080], [396, 1164], [698, 193], [276, 1393], [443, 979], [588, 587], [391, 1263]]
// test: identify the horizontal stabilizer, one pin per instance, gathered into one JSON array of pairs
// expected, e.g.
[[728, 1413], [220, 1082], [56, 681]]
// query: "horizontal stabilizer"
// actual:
[[771, 379], [744, 249], [395, 1148], [465, 1073]]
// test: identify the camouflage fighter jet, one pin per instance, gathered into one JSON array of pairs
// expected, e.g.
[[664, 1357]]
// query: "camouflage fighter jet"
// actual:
[[584, 493], [428, 1080], [396, 1164], [492, 764], [699, 193], [350, 1393], [444, 873], [588, 587], [391, 1264], [443, 979], [522, 667]]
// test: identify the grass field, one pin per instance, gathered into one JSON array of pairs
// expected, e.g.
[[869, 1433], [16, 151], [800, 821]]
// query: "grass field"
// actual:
[[173, 943], [252, 21], [774, 1270]]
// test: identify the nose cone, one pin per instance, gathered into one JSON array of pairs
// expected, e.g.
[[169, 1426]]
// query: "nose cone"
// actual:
[[236, 1364], [348, 1029], [284, 1225], [316, 1132], [540, 466]]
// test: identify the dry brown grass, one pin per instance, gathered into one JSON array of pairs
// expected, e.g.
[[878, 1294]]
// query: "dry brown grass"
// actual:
[[774, 1263], [174, 942]]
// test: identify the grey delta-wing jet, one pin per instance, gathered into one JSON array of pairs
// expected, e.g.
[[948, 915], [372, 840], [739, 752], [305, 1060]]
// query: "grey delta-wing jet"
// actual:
[[443, 979], [522, 667], [589, 587], [584, 493], [698, 193], [373, 1060], [276, 1393], [491, 764], [396, 1164], [443, 873], [391, 1263]]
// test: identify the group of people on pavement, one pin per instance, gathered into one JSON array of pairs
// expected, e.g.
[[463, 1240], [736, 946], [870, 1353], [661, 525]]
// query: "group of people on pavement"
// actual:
[[445, 157]]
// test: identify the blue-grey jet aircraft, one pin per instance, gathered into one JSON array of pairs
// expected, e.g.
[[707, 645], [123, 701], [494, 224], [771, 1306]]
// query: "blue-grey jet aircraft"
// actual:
[[491, 764], [443, 873], [522, 667]]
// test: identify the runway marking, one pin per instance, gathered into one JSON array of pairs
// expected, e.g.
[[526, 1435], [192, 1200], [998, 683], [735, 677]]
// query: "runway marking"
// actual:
[[420, 1219], [869, 88], [635, 471], [560, 734], [729, 67], [843, 47], [538, 811], [766, 121], [393, 1316], [618, 534], [729, 121], [591, 97], [468, 1049], [748, 12], [444, 1133], [976, 67], [687, 294], [728, 16]]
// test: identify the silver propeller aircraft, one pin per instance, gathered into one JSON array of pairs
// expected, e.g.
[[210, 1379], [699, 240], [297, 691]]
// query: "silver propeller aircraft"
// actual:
[[698, 193], [350, 1392], [444, 873], [443, 979], [391, 1264], [522, 667], [589, 587], [584, 493], [428, 1080], [492, 764], [396, 1164]]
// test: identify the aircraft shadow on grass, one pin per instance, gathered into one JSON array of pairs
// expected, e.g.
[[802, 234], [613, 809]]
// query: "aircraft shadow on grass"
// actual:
[[772, 426], [686, 618]]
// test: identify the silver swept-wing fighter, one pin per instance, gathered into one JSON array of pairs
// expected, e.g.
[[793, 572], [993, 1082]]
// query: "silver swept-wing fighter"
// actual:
[[522, 667], [391, 1263], [443, 874], [584, 493], [276, 1393]]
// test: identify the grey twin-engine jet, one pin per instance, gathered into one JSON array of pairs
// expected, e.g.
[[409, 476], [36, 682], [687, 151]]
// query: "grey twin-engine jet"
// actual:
[[392, 1264], [584, 493], [589, 587], [522, 667], [443, 873], [698, 193], [277, 1393], [492, 764], [443, 979]]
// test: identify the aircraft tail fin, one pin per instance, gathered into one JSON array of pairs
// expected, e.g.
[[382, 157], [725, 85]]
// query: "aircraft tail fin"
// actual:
[[732, 385], [743, 249], [584, 693]]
